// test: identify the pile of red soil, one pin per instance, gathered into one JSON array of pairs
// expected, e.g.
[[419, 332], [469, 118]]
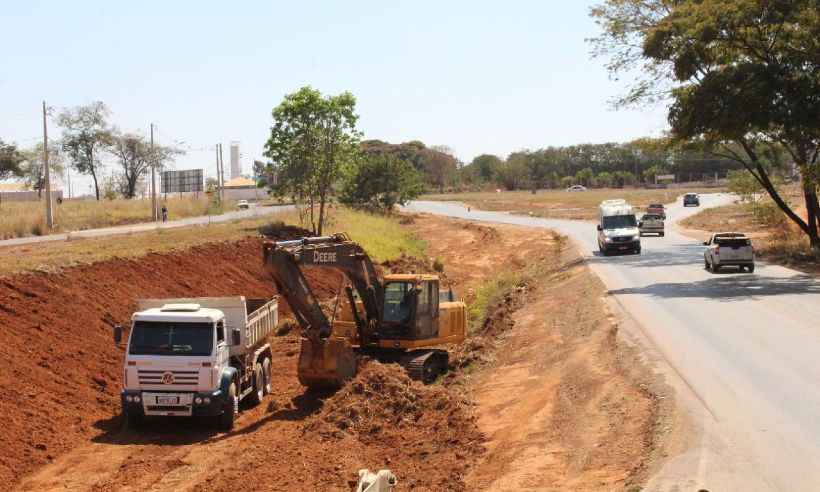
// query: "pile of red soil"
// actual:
[[62, 371], [425, 434]]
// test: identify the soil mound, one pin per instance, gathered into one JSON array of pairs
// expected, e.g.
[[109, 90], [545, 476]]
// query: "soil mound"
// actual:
[[427, 432], [483, 233]]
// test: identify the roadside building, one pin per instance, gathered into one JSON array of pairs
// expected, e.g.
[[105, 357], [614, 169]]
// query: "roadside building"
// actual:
[[243, 189]]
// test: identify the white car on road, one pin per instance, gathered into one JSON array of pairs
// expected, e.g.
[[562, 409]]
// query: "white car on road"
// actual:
[[729, 249]]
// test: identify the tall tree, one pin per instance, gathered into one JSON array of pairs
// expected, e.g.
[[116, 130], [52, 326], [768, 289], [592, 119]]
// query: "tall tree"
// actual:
[[485, 166], [380, 182], [312, 138], [743, 76], [86, 133], [136, 157], [10, 159]]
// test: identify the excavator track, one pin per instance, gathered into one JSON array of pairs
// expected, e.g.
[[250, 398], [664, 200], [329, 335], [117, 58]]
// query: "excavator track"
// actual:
[[426, 365]]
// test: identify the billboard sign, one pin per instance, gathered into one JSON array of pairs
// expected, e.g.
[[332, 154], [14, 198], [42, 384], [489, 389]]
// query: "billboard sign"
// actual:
[[187, 181]]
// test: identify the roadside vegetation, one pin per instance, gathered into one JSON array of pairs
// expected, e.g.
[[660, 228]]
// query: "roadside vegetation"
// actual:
[[383, 237], [21, 219], [776, 238], [561, 204]]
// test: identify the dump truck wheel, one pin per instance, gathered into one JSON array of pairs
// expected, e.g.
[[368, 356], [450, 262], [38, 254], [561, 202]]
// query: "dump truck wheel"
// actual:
[[226, 420], [266, 376], [258, 392]]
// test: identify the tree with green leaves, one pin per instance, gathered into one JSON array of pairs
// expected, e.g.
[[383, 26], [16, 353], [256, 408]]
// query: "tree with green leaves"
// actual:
[[743, 76], [33, 170], [86, 132], [136, 157], [485, 166], [381, 182], [312, 138], [10, 160]]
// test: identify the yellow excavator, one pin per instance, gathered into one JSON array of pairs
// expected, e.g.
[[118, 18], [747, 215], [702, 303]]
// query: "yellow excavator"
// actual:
[[398, 318]]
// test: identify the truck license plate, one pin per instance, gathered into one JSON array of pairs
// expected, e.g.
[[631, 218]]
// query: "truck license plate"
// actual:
[[167, 400]]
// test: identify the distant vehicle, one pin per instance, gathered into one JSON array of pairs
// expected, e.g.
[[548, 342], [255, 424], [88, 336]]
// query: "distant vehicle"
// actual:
[[657, 209], [243, 205], [651, 224], [729, 249], [197, 357], [618, 228], [577, 188], [691, 199]]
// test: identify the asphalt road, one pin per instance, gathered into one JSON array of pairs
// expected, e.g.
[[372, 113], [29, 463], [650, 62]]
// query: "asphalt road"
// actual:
[[742, 351], [254, 211]]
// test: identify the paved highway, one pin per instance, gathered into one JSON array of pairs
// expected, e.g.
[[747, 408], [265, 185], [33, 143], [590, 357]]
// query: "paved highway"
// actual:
[[254, 211], [742, 351]]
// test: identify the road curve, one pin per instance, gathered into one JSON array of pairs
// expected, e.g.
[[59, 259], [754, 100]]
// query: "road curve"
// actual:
[[745, 347]]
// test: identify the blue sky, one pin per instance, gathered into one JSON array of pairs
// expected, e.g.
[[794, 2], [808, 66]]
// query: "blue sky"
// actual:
[[478, 76]]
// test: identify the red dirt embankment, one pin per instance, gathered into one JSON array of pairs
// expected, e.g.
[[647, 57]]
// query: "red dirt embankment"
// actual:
[[61, 370]]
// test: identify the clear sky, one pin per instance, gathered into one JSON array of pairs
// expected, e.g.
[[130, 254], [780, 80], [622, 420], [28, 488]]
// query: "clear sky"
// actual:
[[478, 76]]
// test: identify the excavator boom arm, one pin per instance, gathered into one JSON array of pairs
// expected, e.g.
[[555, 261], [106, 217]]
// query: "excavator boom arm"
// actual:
[[285, 260]]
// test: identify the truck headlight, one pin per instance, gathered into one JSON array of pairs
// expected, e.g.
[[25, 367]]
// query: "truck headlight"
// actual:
[[608, 239], [137, 398], [206, 400], [129, 398], [198, 400]]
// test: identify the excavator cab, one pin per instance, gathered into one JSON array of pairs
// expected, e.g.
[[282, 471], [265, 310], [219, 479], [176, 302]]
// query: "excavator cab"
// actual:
[[410, 308]]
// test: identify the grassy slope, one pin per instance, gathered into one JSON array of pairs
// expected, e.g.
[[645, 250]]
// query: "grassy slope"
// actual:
[[382, 237], [19, 219], [559, 203]]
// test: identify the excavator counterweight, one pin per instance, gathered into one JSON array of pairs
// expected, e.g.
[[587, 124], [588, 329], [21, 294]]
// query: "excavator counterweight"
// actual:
[[401, 315]]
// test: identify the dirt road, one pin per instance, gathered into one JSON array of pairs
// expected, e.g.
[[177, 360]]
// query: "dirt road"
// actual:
[[741, 351]]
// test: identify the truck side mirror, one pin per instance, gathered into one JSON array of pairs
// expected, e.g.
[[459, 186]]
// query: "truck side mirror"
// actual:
[[600, 228], [706, 243], [236, 337], [117, 334]]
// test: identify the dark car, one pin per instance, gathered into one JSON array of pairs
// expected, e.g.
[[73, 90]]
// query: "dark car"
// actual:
[[691, 199], [656, 209]]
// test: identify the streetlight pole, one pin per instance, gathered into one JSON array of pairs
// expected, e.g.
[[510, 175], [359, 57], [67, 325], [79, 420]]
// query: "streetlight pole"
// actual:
[[49, 210]]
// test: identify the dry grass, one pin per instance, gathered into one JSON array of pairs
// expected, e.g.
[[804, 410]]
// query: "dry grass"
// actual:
[[382, 237], [561, 204], [21, 219]]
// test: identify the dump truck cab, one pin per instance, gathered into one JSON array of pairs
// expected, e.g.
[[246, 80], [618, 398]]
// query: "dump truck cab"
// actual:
[[196, 357]]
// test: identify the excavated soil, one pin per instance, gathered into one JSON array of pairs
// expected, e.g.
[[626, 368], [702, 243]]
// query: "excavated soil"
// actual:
[[554, 397]]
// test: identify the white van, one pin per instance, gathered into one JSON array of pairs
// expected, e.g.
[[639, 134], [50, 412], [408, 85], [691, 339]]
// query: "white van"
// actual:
[[618, 228]]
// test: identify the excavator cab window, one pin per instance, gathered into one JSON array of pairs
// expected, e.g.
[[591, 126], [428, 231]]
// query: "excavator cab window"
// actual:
[[398, 302]]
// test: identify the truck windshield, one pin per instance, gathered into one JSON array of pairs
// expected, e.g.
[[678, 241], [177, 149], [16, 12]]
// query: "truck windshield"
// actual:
[[398, 298], [165, 338], [619, 221]]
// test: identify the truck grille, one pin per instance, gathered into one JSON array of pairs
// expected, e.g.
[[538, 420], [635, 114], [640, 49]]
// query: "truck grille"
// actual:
[[177, 378], [621, 239]]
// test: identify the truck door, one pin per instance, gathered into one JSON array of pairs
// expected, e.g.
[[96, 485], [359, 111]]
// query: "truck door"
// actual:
[[427, 310], [222, 349]]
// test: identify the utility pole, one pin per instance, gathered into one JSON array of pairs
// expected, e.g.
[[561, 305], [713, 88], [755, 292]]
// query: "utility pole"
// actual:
[[221, 176], [218, 184], [49, 211], [153, 179]]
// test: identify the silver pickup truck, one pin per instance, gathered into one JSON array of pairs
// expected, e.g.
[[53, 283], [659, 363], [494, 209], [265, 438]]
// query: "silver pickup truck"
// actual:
[[729, 249], [651, 224]]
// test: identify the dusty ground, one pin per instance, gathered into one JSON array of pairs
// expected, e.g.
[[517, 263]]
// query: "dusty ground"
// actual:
[[560, 204], [63, 433], [565, 407]]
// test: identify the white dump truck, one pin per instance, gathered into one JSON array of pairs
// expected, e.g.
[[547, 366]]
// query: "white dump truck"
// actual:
[[196, 357], [618, 228]]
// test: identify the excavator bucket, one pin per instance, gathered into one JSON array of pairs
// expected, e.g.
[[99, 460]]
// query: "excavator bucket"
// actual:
[[326, 363]]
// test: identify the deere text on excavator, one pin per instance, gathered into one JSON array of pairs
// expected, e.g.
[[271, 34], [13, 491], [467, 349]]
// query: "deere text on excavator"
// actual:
[[398, 318]]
